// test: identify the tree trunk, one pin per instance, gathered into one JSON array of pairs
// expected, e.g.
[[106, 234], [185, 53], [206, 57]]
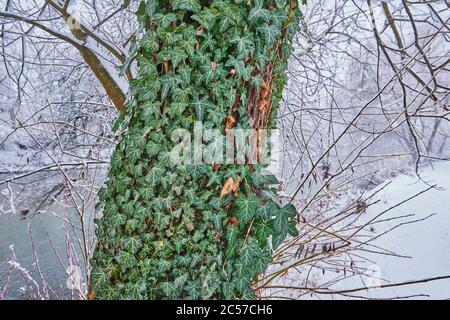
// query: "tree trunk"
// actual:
[[196, 229]]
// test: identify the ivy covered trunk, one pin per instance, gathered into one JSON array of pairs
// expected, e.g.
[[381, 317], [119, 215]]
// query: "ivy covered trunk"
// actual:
[[173, 230]]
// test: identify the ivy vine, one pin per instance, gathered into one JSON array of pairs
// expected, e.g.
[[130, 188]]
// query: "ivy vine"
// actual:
[[171, 231]]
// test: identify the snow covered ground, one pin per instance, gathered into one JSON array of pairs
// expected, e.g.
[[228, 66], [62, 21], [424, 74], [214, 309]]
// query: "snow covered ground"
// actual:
[[425, 243]]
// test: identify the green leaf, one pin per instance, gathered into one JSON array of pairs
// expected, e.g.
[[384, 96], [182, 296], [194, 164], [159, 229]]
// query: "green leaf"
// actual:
[[292, 229], [270, 33], [117, 220], [191, 5], [180, 281], [259, 14], [150, 8], [250, 252], [125, 259], [263, 231], [246, 208], [152, 148], [206, 18], [201, 105], [194, 289], [280, 223], [231, 234], [278, 18], [288, 211], [99, 280], [164, 20], [262, 261], [154, 175], [133, 244], [167, 288], [244, 45], [149, 42]]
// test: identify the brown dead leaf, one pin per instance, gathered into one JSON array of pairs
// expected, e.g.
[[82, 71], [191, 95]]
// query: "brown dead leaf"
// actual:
[[230, 121], [234, 222], [227, 187], [166, 66], [91, 295], [231, 186], [264, 86]]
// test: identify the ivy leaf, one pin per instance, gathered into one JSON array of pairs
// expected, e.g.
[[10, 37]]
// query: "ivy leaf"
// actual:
[[241, 70], [125, 260], [152, 148], [259, 14], [150, 91], [281, 4], [250, 252], [206, 18], [194, 289], [133, 244], [208, 42], [280, 223], [278, 17], [231, 234], [134, 154], [177, 56], [149, 42], [270, 33], [262, 261], [244, 45], [191, 5], [288, 211], [217, 220], [117, 220], [177, 108], [278, 239], [180, 281], [189, 47], [241, 280], [214, 179], [292, 229], [99, 280], [201, 105], [167, 288], [263, 232], [150, 8], [154, 175], [247, 207], [164, 20]]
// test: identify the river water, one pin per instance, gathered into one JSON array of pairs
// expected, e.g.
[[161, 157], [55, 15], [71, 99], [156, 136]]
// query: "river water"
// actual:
[[42, 235]]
